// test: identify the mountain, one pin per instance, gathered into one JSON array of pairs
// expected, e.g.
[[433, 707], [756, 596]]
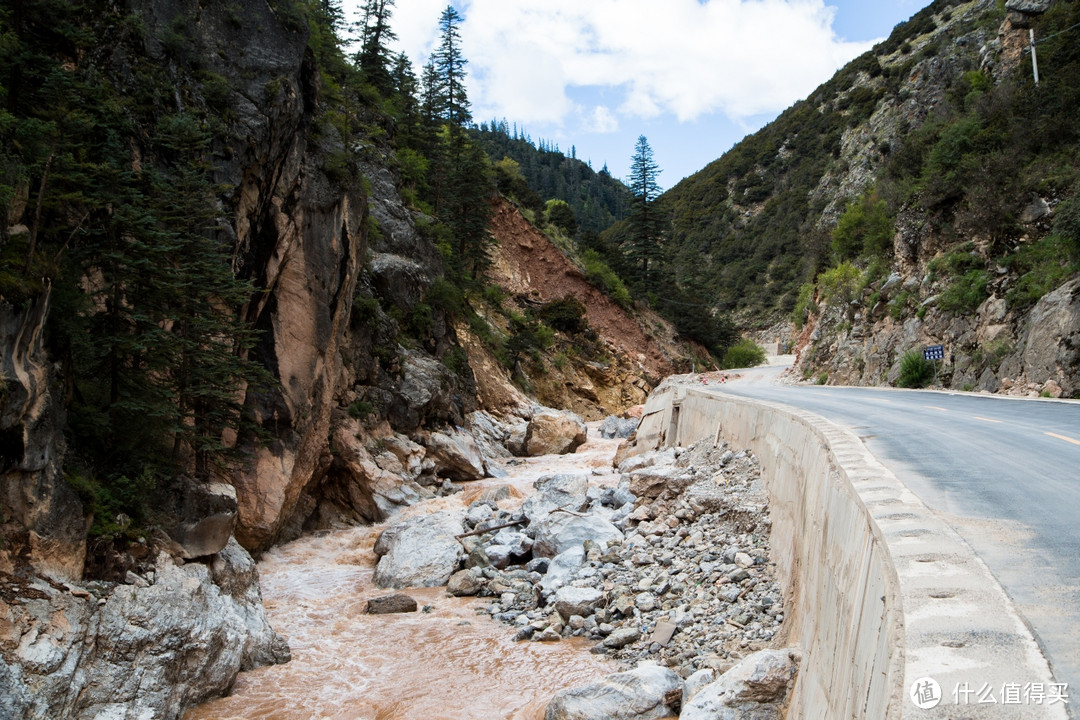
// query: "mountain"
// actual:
[[927, 194]]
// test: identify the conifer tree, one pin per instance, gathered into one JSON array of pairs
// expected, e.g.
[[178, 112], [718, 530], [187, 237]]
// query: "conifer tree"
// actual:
[[449, 65], [646, 224], [374, 58]]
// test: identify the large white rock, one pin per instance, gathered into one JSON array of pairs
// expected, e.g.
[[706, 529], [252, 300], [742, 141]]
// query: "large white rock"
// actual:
[[567, 491], [421, 552], [755, 689], [558, 532], [638, 694], [562, 568]]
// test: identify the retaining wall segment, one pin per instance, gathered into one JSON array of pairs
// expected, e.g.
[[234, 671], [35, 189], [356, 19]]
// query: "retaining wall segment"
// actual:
[[879, 591]]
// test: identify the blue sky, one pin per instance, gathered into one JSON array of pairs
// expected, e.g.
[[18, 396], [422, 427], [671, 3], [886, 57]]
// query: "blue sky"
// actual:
[[693, 76]]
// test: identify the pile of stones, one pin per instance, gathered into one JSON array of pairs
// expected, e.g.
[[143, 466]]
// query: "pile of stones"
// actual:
[[671, 565]]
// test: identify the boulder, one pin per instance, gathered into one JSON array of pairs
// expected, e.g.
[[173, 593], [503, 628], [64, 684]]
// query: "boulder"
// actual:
[[651, 482], [389, 604], [421, 552], [515, 440], [622, 637], [567, 491], [398, 279], [755, 688], [356, 488], [205, 519], [647, 692], [554, 432], [490, 433], [558, 532], [138, 652], [571, 601], [424, 392], [616, 427], [456, 455], [562, 567], [464, 583], [1028, 7], [696, 683]]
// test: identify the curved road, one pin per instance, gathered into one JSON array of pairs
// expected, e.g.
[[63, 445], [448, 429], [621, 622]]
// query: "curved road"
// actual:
[[1005, 473]]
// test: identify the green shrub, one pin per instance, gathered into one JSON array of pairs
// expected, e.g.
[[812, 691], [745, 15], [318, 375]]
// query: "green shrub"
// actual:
[[865, 228], [838, 284], [915, 370], [965, 293], [822, 378], [744, 354], [361, 409], [601, 276], [567, 314], [899, 305], [1044, 266], [804, 305]]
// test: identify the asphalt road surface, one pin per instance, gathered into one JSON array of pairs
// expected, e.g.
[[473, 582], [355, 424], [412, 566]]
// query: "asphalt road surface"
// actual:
[[1005, 473]]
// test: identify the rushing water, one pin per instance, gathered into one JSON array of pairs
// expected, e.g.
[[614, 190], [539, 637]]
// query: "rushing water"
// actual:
[[447, 663]]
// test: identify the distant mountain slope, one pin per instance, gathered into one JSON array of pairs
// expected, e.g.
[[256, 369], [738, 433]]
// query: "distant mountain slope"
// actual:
[[927, 181]]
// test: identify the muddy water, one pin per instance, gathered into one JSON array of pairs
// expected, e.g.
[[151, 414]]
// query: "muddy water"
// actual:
[[447, 663]]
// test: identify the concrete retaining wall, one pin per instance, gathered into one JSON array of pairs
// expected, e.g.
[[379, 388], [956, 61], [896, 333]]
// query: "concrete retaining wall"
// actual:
[[879, 591]]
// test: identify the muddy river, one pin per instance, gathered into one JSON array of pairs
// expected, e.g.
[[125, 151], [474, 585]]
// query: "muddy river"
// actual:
[[445, 662]]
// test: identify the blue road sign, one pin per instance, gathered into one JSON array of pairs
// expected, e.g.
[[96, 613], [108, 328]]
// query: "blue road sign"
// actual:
[[933, 352]]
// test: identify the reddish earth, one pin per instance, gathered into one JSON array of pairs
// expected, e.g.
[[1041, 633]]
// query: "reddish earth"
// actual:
[[528, 264]]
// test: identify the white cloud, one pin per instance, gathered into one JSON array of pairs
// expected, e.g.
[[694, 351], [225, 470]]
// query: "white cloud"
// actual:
[[684, 57], [601, 121]]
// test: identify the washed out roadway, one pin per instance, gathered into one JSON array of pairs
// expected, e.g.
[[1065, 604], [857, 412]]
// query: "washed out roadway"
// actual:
[[1004, 472]]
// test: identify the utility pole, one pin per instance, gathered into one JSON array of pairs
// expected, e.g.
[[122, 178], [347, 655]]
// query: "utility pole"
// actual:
[[1034, 60]]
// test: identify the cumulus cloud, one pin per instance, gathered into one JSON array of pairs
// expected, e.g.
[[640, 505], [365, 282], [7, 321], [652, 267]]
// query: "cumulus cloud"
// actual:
[[686, 58], [601, 121]]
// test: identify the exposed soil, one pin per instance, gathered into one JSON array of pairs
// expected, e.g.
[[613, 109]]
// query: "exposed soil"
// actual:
[[528, 264]]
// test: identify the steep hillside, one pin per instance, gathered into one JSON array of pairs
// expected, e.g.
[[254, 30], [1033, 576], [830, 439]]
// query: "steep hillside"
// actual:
[[602, 358], [927, 194]]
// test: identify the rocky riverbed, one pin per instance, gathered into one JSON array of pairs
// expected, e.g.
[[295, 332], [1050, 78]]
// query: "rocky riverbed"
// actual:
[[652, 578]]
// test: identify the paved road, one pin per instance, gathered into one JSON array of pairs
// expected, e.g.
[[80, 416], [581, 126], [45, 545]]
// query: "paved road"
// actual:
[[1004, 472]]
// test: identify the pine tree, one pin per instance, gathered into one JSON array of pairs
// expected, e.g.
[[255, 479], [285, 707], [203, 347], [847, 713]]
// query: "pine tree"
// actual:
[[449, 65], [646, 224], [374, 57]]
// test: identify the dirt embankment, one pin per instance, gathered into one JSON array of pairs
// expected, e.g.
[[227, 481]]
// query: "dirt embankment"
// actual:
[[527, 264]]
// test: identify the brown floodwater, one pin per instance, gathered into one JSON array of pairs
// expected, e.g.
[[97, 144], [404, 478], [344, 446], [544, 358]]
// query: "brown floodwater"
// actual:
[[448, 663]]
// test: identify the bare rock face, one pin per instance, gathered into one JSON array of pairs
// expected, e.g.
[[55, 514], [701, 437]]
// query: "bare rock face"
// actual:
[[42, 518], [755, 689], [134, 651], [648, 692], [552, 432], [421, 552], [1050, 343]]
